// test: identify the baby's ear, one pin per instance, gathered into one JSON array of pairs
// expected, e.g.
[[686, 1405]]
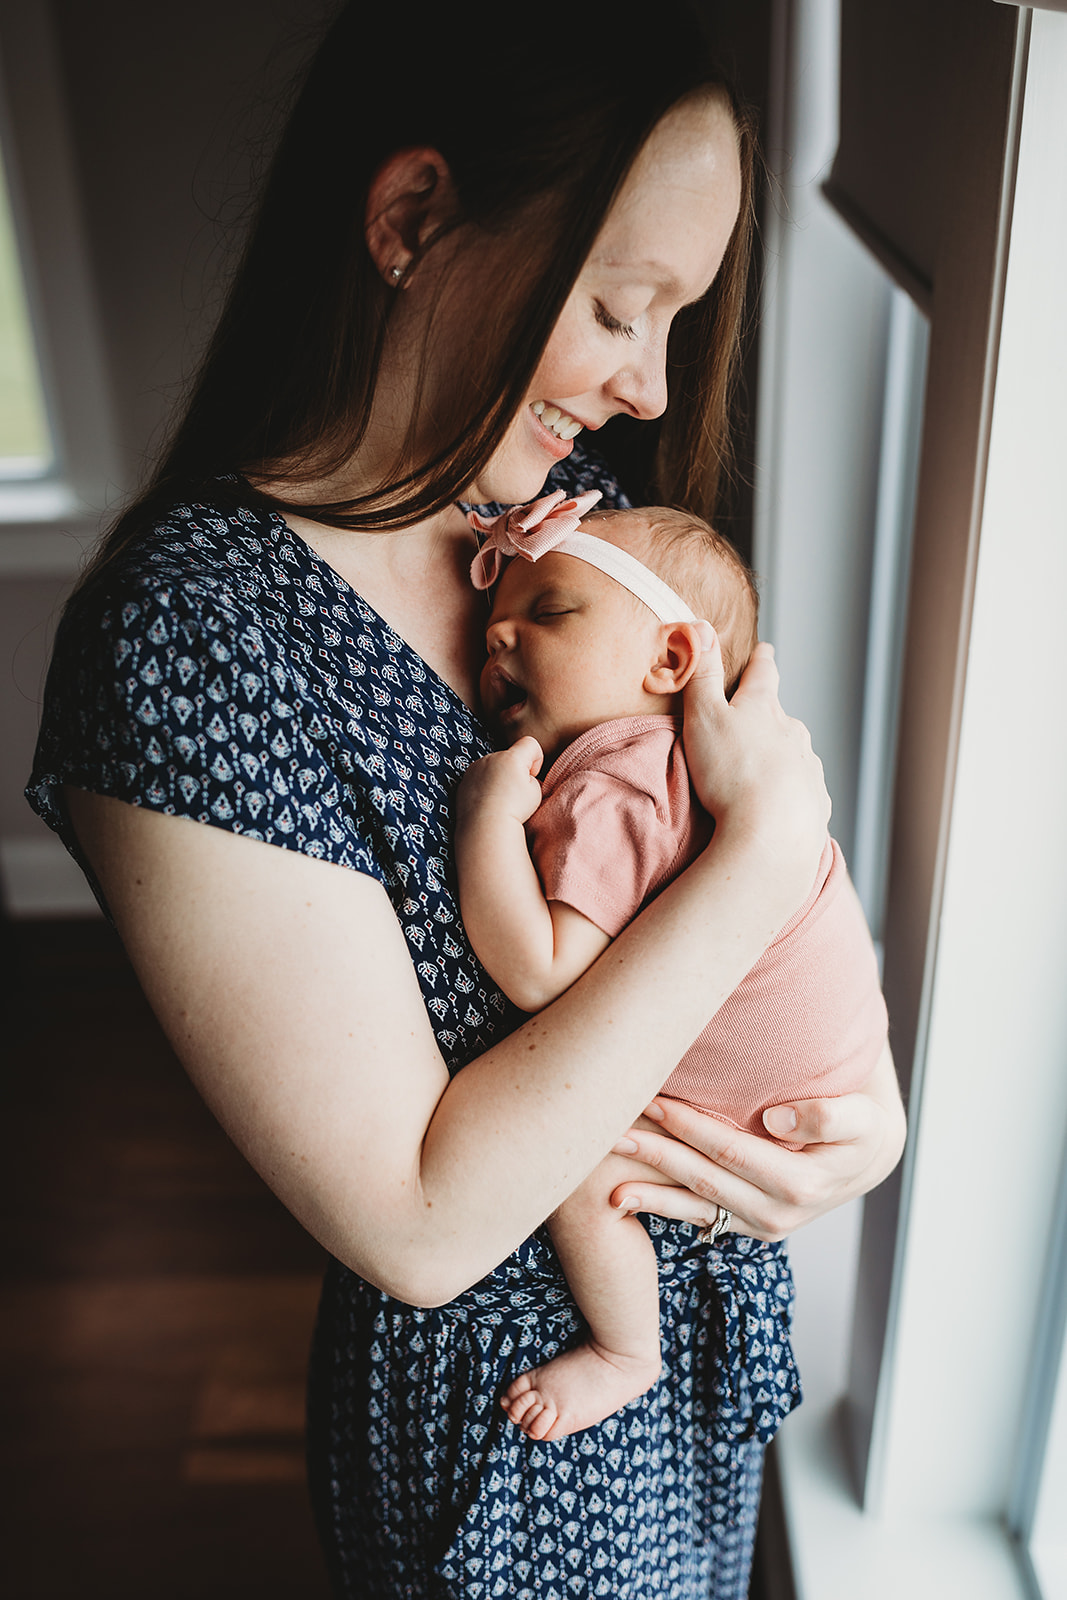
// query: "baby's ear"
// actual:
[[680, 648]]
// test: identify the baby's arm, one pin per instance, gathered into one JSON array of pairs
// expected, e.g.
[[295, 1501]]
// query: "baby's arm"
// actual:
[[532, 947]]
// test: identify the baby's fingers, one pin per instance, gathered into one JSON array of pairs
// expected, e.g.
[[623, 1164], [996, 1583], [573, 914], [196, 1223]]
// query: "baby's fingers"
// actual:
[[528, 753]]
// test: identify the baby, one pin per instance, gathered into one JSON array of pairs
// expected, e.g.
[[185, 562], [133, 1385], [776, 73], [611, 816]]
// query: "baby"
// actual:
[[592, 638]]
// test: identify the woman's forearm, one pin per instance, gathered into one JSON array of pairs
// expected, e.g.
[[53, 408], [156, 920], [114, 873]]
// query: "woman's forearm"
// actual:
[[286, 988], [533, 1116]]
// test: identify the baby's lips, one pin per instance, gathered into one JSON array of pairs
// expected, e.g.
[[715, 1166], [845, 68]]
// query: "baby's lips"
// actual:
[[499, 693], [504, 686]]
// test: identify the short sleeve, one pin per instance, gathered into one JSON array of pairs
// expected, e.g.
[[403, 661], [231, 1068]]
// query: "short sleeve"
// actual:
[[220, 671], [600, 847], [170, 698]]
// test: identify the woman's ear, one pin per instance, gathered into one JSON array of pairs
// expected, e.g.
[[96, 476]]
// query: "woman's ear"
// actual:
[[676, 659], [410, 197]]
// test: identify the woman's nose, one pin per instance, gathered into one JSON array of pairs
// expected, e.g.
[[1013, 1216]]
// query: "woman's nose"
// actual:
[[641, 386]]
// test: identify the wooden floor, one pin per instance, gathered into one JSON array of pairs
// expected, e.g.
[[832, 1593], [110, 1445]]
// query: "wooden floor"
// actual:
[[155, 1309], [156, 1304]]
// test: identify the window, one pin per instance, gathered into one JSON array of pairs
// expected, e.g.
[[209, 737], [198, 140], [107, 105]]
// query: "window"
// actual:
[[58, 451], [25, 438], [1037, 1515], [957, 1403]]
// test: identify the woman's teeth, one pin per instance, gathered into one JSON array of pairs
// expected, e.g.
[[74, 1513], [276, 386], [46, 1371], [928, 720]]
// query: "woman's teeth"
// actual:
[[556, 421]]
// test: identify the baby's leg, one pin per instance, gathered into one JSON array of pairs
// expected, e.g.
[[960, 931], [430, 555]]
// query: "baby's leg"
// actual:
[[611, 1268]]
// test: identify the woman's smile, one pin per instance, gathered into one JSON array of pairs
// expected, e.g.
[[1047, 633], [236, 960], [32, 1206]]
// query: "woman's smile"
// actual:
[[554, 436], [660, 249], [556, 420]]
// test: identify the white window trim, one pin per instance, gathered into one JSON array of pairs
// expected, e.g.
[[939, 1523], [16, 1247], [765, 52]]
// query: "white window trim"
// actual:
[[47, 524], [987, 1142]]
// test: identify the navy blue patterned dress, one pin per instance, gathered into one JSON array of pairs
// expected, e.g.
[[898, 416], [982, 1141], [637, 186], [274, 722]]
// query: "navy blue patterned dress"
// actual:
[[221, 671]]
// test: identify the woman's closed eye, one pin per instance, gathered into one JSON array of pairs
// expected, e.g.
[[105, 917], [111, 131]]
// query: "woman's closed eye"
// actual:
[[613, 324]]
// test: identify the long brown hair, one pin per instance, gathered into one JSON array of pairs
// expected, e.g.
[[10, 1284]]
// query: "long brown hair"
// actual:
[[537, 146]]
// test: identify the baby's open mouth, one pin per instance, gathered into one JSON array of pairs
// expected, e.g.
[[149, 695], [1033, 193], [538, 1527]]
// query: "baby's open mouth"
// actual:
[[507, 695]]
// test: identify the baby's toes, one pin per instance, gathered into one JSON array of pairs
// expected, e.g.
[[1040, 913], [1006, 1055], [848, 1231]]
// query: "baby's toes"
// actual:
[[539, 1423], [521, 1385], [519, 1406]]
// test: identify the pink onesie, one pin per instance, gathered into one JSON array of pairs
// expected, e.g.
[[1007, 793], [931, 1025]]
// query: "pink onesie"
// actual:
[[618, 820]]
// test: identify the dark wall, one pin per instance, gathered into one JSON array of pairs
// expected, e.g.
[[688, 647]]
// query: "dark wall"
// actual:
[[171, 113]]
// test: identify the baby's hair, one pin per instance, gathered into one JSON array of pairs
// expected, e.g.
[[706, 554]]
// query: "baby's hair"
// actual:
[[702, 567]]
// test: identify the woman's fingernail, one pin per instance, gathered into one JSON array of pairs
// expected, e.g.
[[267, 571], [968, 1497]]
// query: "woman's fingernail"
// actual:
[[655, 1112], [780, 1120], [625, 1147], [627, 1204]]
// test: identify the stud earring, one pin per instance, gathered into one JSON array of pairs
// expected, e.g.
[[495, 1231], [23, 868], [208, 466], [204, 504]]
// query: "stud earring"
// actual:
[[396, 273]]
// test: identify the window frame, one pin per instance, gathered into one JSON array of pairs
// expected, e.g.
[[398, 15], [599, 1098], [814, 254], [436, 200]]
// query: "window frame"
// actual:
[[910, 1484], [48, 521]]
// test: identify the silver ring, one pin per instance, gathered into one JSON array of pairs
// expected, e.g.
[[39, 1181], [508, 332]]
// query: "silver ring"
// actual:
[[722, 1221]]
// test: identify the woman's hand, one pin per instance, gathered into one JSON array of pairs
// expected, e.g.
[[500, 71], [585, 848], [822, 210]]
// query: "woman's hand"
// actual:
[[753, 767], [852, 1144]]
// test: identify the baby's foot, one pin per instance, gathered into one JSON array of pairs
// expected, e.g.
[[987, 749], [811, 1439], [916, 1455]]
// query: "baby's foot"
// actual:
[[577, 1390]]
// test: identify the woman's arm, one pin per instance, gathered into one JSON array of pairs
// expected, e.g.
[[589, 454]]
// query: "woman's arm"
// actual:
[[533, 948], [287, 989], [852, 1144]]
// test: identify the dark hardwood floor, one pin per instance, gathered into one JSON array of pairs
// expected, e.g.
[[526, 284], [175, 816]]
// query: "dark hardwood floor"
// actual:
[[156, 1304]]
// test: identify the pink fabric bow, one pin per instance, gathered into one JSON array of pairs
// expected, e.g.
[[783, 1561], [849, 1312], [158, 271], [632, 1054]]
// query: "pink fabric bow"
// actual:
[[531, 531]]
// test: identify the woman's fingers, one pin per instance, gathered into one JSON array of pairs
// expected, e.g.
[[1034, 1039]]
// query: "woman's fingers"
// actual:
[[709, 675], [871, 1124], [771, 1191], [761, 674], [678, 1205], [851, 1145], [753, 767], [842, 1121], [698, 1185]]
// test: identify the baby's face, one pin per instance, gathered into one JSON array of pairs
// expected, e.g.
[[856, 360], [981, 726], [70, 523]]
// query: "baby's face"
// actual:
[[569, 648]]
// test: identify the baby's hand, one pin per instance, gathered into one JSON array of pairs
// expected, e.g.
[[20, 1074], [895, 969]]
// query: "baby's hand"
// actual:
[[505, 781]]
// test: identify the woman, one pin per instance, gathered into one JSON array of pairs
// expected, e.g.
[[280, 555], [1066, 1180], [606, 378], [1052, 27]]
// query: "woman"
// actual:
[[280, 643]]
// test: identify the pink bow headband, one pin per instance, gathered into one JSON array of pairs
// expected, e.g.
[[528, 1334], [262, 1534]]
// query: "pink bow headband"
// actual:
[[554, 523]]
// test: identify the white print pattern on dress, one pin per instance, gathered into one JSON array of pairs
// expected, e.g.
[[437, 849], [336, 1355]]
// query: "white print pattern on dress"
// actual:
[[221, 671]]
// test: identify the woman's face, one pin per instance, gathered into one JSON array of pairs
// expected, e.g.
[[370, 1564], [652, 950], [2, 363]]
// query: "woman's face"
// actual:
[[659, 249]]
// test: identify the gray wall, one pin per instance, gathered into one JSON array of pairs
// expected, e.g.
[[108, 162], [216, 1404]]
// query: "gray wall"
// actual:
[[165, 116]]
